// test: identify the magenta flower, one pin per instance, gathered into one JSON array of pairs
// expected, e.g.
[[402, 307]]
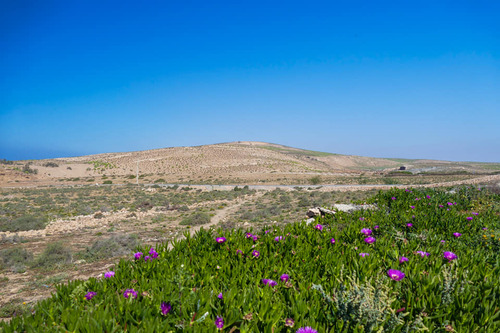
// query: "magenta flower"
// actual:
[[306, 329], [220, 296], [370, 240], [393, 198], [219, 322], [412, 207], [138, 255], [220, 240], [409, 225], [450, 203], [249, 235], [269, 282], [130, 292], [366, 231], [443, 241], [441, 206], [285, 277], [361, 218], [403, 259], [256, 253], [428, 196], [289, 322], [332, 240], [485, 228], [474, 213], [395, 274], [90, 295], [416, 199], [148, 258], [278, 238], [255, 237], [109, 274], [376, 227], [469, 218], [319, 227], [449, 255], [239, 252], [267, 231], [457, 234], [423, 254], [165, 308], [153, 253], [364, 254]]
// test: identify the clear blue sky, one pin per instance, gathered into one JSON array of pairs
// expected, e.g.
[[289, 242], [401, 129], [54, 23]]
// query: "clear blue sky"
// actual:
[[410, 79]]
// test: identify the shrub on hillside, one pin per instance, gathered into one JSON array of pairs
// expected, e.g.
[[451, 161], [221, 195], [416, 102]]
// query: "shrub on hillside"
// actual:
[[54, 255], [51, 165], [15, 259], [114, 246], [23, 223], [197, 218]]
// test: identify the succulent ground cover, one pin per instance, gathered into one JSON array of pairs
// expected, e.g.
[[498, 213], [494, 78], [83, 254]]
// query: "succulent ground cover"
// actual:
[[425, 260]]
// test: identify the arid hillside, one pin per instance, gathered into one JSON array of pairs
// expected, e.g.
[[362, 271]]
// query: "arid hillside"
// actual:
[[231, 163]]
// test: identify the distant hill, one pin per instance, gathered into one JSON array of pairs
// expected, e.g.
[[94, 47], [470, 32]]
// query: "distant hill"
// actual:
[[236, 162]]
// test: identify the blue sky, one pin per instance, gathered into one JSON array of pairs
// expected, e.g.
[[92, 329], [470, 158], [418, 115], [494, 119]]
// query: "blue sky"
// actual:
[[409, 79]]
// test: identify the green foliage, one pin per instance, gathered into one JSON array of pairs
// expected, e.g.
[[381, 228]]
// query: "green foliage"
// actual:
[[55, 255], [22, 223], [51, 165], [6, 162], [27, 169], [197, 218], [114, 246], [15, 259], [107, 182], [315, 180], [331, 288]]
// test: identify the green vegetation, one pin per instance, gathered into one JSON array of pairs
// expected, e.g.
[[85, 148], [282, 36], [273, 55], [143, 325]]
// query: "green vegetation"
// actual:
[[55, 255], [51, 165], [197, 218], [114, 246], [337, 278], [22, 223], [15, 259], [6, 162]]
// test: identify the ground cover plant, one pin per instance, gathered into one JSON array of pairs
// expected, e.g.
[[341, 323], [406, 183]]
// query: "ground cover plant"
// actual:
[[424, 260]]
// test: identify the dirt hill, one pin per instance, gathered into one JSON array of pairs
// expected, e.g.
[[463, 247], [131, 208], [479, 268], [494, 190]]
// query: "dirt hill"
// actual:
[[239, 162]]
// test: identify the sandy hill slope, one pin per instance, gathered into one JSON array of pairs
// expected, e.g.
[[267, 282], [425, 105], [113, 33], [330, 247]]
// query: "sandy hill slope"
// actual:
[[234, 162]]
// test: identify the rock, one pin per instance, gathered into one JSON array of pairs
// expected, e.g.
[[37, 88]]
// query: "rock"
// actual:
[[246, 224], [313, 212], [310, 220], [351, 208]]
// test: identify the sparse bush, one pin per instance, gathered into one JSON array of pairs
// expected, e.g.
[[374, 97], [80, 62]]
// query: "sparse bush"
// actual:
[[55, 254], [51, 165], [108, 182], [197, 218], [15, 259], [4, 161], [13, 308], [29, 170], [315, 180], [23, 223], [161, 180], [114, 246]]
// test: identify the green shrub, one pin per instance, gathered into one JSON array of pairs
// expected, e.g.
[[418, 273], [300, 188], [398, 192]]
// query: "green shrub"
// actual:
[[197, 218], [55, 255], [315, 180], [23, 223], [15, 259], [51, 165], [107, 182], [28, 169], [114, 246]]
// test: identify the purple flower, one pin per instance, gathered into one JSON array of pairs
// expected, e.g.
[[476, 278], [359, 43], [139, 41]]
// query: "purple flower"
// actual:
[[366, 231], [457, 234], [364, 254], [319, 227], [165, 308], [90, 294], [417, 199], [138, 255], [449, 255], [450, 203], [153, 253], [332, 240], [361, 218], [428, 196], [220, 296], [278, 238], [485, 228], [393, 198], [256, 253], [219, 322], [239, 252], [255, 237], [285, 277], [441, 206], [474, 213], [395, 274], [269, 282], [469, 218], [412, 207], [130, 292], [109, 274], [376, 227], [443, 241], [249, 235], [148, 258], [409, 225], [220, 240], [306, 329], [289, 322], [267, 231], [423, 254], [370, 240], [403, 259]]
